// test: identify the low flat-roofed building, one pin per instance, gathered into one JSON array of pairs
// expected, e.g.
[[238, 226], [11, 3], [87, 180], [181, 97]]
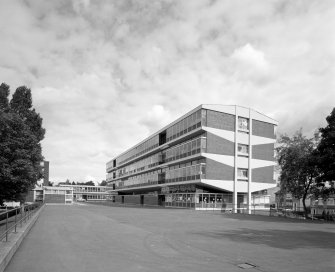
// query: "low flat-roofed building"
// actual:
[[87, 192], [59, 195]]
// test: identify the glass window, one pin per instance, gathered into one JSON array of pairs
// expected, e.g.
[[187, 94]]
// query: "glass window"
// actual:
[[203, 144], [189, 123], [204, 117], [184, 124], [188, 171], [198, 143], [243, 149], [194, 145], [243, 123], [203, 170], [242, 173], [198, 115], [184, 172]]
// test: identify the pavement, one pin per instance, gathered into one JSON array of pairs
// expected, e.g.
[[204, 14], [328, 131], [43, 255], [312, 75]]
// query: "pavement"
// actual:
[[98, 238], [15, 238]]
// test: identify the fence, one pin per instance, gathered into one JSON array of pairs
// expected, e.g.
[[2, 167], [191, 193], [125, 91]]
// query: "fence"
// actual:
[[11, 219]]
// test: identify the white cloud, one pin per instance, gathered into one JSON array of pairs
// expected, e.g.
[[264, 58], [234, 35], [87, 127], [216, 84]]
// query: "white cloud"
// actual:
[[247, 55], [156, 118], [106, 74]]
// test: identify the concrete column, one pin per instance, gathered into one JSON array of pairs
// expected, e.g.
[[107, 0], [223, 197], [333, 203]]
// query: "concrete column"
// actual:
[[235, 164], [250, 166]]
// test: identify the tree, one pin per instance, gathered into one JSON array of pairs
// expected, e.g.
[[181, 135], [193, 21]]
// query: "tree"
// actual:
[[326, 162], [20, 149], [103, 183], [4, 93], [88, 183], [21, 104], [298, 162]]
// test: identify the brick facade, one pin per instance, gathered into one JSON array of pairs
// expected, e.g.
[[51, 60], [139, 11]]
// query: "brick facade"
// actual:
[[220, 120], [263, 175], [263, 129], [151, 200], [263, 152], [30, 196], [216, 170], [132, 199], [54, 198], [218, 145]]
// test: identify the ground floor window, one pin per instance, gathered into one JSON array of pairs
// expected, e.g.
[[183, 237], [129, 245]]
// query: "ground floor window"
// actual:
[[200, 201]]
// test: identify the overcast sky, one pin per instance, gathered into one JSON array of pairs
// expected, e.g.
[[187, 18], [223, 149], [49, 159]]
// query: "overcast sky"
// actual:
[[106, 74]]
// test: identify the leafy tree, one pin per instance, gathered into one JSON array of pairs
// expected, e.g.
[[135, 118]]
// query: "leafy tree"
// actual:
[[298, 162], [20, 149], [4, 93], [326, 162], [21, 104], [88, 183], [103, 183]]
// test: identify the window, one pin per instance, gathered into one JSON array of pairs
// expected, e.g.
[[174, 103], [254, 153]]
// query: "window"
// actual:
[[242, 173], [243, 123], [243, 149]]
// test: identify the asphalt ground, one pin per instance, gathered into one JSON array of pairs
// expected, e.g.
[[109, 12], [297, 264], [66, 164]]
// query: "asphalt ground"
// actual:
[[98, 238]]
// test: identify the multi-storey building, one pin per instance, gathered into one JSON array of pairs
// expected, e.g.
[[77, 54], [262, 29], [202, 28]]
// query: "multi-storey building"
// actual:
[[214, 156]]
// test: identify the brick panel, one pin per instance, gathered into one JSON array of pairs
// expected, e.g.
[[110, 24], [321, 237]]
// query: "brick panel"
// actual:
[[218, 145], [263, 129], [263, 175], [150, 200], [118, 198], [263, 152], [216, 170], [220, 120], [133, 199], [54, 198], [30, 196]]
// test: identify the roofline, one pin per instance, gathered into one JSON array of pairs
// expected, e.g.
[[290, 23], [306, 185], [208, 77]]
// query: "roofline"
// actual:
[[201, 106]]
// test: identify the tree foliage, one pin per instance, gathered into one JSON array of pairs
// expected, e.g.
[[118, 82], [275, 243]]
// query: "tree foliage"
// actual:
[[326, 162], [88, 183], [20, 150], [103, 183], [298, 162]]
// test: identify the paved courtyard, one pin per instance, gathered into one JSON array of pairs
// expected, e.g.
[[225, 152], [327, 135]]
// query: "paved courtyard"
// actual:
[[98, 238]]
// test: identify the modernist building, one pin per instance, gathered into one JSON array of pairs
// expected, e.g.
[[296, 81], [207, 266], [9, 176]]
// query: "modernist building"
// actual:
[[87, 193], [67, 194], [60, 195], [213, 157]]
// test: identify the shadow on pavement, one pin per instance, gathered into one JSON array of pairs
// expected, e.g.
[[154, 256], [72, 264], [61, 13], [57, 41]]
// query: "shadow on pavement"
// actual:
[[265, 218], [284, 239]]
